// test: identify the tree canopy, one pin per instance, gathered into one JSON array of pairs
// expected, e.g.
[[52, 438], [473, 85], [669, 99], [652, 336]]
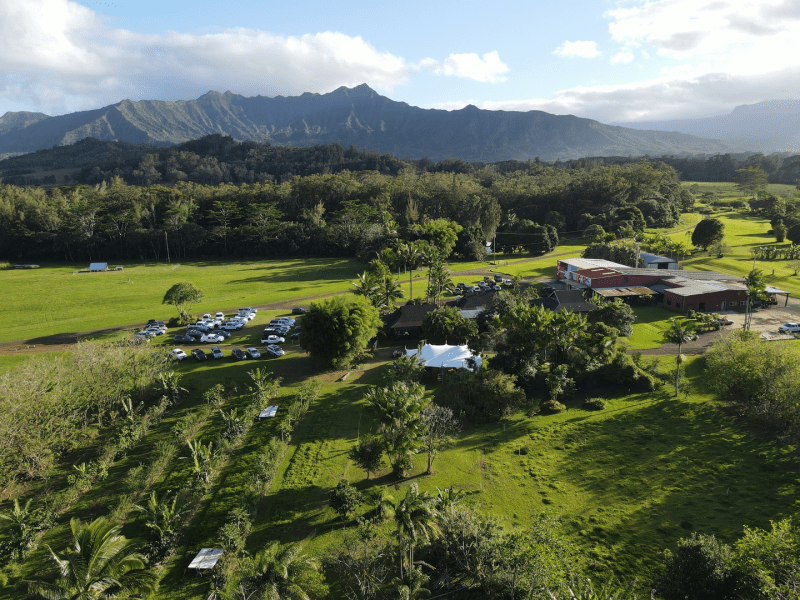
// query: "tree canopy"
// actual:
[[182, 296], [708, 231], [335, 330]]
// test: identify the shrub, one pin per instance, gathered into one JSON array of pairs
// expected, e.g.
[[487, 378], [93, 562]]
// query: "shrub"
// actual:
[[594, 404], [552, 407]]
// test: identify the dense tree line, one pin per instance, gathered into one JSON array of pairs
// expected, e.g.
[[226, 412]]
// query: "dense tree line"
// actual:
[[335, 214]]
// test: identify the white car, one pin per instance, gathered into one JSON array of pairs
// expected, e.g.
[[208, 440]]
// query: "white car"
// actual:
[[273, 339], [475, 288], [496, 288], [275, 351], [219, 315], [789, 327], [252, 353], [249, 309], [233, 326], [155, 331], [212, 338], [507, 282], [178, 354]]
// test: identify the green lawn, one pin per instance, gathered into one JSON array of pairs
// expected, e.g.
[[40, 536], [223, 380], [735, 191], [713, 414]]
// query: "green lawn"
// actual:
[[59, 300]]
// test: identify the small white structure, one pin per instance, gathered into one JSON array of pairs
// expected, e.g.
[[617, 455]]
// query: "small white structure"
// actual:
[[93, 267], [446, 357], [206, 559], [267, 413]]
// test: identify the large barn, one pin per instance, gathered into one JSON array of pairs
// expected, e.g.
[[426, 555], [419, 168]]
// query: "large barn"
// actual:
[[677, 290]]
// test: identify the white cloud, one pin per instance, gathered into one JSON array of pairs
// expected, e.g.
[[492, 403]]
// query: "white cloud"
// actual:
[[486, 69], [659, 99], [583, 49], [622, 57], [59, 56]]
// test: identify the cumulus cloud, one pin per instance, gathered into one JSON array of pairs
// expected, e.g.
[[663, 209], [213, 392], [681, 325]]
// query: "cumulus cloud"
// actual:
[[59, 56], [625, 56], [582, 49], [658, 99], [486, 69]]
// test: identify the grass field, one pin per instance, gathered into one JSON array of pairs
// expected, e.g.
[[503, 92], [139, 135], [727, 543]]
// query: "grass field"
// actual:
[[625, 483]]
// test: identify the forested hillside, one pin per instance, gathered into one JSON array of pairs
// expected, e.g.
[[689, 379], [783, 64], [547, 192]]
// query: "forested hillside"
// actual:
[[333, 214]]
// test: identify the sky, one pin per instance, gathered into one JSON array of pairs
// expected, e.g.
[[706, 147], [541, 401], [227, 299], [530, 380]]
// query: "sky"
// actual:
[[610, 60]]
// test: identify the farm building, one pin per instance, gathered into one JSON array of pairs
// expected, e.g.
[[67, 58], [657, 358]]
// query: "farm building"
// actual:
[[407, 320], [653, 261], [572, 300], [99, 266], [678, 290]]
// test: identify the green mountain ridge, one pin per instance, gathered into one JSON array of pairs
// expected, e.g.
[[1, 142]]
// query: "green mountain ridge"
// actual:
[[348, 116]]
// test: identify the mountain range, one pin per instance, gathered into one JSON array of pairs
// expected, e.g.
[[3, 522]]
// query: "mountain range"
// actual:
[[771, 126], [358, 116]]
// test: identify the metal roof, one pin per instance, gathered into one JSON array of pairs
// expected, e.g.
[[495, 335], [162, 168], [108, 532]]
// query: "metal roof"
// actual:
[[206, 558], [773, 290], [267, 413], [626, 291]]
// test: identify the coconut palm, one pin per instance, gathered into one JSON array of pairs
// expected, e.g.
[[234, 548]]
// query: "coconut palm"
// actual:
[[367, 286], [678, 333], [100, 564], [415, 520], [284, 572]]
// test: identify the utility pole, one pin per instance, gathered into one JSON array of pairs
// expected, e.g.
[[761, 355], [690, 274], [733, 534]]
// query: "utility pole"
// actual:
[[167, 242]]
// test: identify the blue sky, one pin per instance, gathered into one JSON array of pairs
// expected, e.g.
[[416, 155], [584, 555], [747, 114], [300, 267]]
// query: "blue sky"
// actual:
[[614, 61]]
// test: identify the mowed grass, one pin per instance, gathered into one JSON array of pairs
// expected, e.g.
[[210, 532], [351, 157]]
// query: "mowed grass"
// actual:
[[60, 300], [743, 233]]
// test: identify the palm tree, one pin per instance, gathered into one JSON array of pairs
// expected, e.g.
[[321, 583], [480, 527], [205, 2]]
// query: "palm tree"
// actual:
[[398, 408], [388, 292], [678, 334], [367, 286], [265, 384], [100, 564], [284, 572], [415, 520]]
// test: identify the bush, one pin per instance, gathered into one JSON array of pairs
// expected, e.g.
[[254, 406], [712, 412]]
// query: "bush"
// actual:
[[594, 404], [552, 407]]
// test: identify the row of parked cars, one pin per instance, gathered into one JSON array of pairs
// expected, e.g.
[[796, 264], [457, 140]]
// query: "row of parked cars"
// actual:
[[487, 285], [216, 330]]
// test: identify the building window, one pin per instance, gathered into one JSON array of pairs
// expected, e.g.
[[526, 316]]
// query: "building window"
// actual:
[[624, 280], [734, 303], [669, 301]]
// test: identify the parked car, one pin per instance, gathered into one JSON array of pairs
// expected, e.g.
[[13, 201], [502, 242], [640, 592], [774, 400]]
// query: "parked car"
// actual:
[[248, 309], [200, 327], [154, 322], [462, 285], [195, 333], [223, 332], [211, 338], [507, 282], [296, 336], [232, 326], [177, 354], [216, 352], [183, 338], [253, 353], [273, 339], [219, 315], [275, 351], [496, 288], [155, 331], [208, 317], [298, 310], [475, 288], [238, 354], [498, 279], [789, 327], [199, 355]]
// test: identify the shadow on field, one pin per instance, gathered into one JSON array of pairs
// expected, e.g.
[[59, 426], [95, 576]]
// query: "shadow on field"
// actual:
[[61, 339], [672, 467]]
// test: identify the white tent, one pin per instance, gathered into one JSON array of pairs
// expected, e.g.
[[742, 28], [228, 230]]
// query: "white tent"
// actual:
[[446, 356]]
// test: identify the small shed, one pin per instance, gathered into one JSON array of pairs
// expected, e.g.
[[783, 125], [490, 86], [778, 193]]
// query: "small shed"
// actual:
[[206, 559], [654, 261], [94, 267], [267, 413]]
